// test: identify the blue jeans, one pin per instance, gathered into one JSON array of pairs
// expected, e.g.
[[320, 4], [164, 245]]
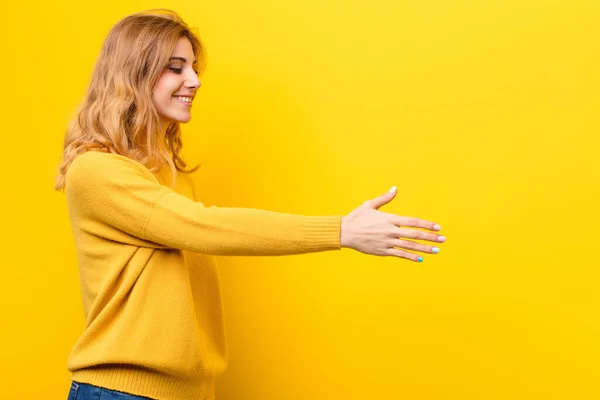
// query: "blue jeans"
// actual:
[[84, 391]]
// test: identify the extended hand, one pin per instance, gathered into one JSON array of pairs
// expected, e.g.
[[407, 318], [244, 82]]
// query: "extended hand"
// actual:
[[370, 231]]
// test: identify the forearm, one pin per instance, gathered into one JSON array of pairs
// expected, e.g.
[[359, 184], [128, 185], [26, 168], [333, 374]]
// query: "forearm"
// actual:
[[178, 223]]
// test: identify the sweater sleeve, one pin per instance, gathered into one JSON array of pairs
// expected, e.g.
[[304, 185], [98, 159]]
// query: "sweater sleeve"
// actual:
[[114, 192]]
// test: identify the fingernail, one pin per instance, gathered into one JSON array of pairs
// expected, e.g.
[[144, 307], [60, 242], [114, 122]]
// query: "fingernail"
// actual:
[[420, 259], [437, 227], [393, 189], [441, 238], [435, 250]]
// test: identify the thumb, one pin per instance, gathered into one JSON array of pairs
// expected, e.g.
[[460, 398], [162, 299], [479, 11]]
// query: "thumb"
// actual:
[[384, 198]]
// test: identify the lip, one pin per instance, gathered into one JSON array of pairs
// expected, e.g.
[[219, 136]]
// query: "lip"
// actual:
[[192, 95], [183, 102]]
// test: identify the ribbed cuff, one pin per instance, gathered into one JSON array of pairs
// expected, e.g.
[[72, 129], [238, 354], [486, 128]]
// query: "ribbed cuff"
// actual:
[[323, 232]]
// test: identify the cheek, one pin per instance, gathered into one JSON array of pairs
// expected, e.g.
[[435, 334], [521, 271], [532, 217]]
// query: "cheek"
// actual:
[[167, 85]]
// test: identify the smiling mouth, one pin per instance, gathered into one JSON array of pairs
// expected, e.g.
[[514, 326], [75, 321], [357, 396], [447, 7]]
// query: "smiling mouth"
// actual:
[[185, 99]]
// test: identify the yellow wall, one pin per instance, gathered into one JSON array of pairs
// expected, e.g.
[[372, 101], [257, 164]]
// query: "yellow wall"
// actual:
[[484, 114]]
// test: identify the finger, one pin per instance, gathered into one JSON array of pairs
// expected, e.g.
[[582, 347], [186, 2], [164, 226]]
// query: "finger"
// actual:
[[404, 254], [414, 223], [419, 235], [410, 245], [382, 200]]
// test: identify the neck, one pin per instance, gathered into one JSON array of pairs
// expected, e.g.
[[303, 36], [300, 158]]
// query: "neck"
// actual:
[[163, 127]]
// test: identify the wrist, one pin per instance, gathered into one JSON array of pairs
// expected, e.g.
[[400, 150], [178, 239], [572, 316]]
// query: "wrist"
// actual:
[[344, 236]]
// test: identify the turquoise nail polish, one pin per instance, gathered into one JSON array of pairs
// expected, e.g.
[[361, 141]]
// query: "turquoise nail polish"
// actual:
[[435, 250], [420, 259]]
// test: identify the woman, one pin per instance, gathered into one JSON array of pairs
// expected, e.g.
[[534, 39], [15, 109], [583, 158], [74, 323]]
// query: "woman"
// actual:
[[146, 245]]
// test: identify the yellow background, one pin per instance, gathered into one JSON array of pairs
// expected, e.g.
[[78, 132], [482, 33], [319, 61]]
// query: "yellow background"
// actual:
[[484, 114]]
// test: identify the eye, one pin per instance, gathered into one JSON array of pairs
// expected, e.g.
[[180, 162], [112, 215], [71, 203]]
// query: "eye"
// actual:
[[176, 70]]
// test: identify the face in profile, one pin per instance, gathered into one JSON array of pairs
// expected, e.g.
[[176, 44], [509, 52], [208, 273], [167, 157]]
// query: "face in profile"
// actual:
[[176, 88]]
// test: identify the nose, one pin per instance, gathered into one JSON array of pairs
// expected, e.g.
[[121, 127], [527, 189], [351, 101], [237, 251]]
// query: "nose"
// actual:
[[192, 81]]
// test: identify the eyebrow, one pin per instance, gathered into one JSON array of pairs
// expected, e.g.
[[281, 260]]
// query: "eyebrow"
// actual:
[[181, 59]]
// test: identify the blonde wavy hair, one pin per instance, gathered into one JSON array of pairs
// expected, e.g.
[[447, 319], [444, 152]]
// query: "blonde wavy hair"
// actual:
[[117, 114]]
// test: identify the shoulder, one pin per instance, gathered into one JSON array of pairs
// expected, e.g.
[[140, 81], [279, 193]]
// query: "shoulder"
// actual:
[[95, 167], [108, 160]]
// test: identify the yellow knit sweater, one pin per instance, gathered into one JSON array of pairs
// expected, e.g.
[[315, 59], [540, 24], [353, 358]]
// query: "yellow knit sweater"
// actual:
[[149, 282]]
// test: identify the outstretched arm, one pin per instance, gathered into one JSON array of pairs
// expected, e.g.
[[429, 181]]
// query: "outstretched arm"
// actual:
[[110, 195]]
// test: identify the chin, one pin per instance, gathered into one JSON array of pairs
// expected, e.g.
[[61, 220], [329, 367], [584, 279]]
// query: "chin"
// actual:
[[180, 119]]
